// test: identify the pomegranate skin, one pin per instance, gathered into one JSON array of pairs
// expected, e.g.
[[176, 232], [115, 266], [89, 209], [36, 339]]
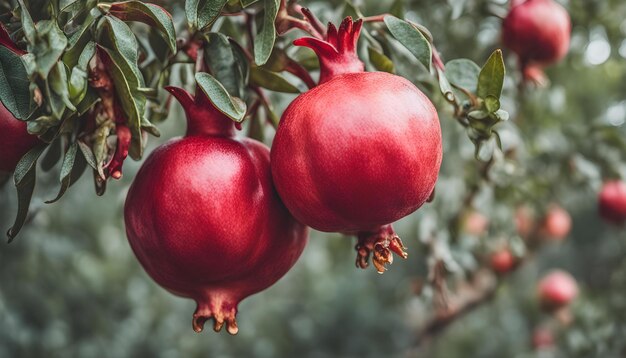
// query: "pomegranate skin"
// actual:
[[612, 202], [204, 219], [556, 224], [358, 152], [15, 141], [502, 261], [538, 31], [557, 289]]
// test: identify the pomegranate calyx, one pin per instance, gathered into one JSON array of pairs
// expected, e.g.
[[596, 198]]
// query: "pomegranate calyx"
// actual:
[[382, 244], [202, 116], [337, 54], [220, 317]]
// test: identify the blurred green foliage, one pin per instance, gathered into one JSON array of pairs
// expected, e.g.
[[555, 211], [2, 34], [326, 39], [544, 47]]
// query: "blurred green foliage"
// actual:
[[70, 286]]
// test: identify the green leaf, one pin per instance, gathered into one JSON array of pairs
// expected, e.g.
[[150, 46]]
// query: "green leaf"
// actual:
[[66, 171], [246, 3], [132, 101], [202, 13], [79, 40], [271, 80], [52, 156], [57, 80], [492, 104], [78, 77], [264, 41], [411, 38], [87, 154], [14, 84], [27, 23], [222, 63], [491, 77], [49, 46], [380, 61], [149, 14], [397, 8], [232, 107], [463, 73], [69, 5], [24, 179], [444, 86], [116, 35]]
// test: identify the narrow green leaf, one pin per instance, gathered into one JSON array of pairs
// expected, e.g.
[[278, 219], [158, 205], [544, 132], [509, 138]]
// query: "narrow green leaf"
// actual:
[[49, 46], [208, 13], [444, 86], [264, 41], [246, 3], [411, 38], [24, 179], [78, 77], [59, 85], [271, 80], [380, 61], [149, 14], [232, 107], [66, 171], [52, 156], [491, 77], [463, 73], [492, 104], [14, 84], [222, 63], [27, 23], [79, 40], [87, 154]]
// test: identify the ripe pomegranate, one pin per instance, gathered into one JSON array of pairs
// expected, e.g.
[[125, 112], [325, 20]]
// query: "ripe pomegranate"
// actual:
[[475, 223], [359, 151], [502, 261], [538, 31], [557, 289], [204, 220], [612, 202], [15, 141], [556, 224]]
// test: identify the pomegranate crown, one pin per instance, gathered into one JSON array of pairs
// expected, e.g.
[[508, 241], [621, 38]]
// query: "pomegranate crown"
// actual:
[[337, 54], [203, 118]]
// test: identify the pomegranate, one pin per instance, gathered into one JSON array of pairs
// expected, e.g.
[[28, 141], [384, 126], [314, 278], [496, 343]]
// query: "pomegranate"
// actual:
[[612, 202], [204, 219], [502, 261], [15, 141], [538, 31], [557, 289], [556, 224], [359, 151], [475, 223]]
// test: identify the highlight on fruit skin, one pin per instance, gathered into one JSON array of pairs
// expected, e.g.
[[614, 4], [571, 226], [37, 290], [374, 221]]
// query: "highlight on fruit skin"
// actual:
[[556, 223], [538, 31], [557, 289], [357, 152], [204, 220], [612, 202], [502, 261]]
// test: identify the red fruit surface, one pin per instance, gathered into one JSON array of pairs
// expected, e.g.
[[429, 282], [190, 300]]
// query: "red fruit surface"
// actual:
[[204, 219], [15, 141], [502, 261], [538, 31], [612, 202], [557, 289], [359, 151], [556, 224]]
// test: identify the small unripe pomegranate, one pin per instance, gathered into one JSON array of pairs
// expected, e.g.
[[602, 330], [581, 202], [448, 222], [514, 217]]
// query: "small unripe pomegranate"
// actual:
[[556, 224], [538, 31], [359, 151], [557, 289], [543, 338], [475, 223], [15, 141], [612, 202], [502, 261], [524, 220], [204, 220]]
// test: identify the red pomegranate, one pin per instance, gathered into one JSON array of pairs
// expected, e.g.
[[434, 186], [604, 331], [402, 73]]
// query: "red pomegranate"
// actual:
[[502, 261], [204, 220], [612, 202], [359, 151], [475, 223], [556, 224], [557, 289], [538, 31], [15, 141]]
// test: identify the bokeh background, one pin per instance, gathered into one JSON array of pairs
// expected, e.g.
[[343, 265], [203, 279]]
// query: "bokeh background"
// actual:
[[71, 287]]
